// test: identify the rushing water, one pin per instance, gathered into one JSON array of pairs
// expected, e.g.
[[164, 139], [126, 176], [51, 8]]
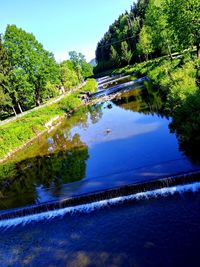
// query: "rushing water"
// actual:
[[113, 143], [148, 233]]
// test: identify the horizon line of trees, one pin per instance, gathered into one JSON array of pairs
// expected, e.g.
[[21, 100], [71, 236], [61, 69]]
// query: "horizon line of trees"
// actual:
[[152, 28], [30, 75]]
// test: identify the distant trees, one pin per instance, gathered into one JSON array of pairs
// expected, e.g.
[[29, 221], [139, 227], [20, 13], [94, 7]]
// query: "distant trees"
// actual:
[[120, 41], [68, 75], [82, 68], [151, 28]]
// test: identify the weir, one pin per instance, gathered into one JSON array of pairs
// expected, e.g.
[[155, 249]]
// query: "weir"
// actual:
[[116, 88], [105, 79], [114, 80], [179, 183]]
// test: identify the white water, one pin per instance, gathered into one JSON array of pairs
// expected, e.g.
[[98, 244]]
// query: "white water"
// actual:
[[87, 208]]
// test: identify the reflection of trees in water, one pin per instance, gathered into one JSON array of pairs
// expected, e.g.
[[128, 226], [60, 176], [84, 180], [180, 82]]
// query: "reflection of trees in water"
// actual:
[[185, 122], [146, 100], [49, 171], [186, 125], [96, 112]]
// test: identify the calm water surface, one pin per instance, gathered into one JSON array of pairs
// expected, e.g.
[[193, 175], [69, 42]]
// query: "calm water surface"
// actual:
[[126, 140]]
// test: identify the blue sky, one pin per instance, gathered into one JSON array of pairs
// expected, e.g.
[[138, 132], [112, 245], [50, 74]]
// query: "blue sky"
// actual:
[[63, 25]]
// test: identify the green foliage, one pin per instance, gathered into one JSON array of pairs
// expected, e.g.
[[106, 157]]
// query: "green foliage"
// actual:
[[126, 53], [125, 29], [160, 29], [5, 100], [145, 41], [87, 69], [184, 19], [31, 63], [68, 76], [90, 86], [114, 56], [11, 134], [152, 27], [82, 68]]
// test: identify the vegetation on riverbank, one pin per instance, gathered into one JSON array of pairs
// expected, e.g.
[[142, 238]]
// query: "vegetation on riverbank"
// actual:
[[16, 133], [167, 32], [151, 29], [29, 74], [179, 81]]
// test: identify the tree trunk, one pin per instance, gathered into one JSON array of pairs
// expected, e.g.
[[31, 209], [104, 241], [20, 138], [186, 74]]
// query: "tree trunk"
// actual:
[[169, 52], [198, 50], [20, 109], [14, 110], [37, 97]]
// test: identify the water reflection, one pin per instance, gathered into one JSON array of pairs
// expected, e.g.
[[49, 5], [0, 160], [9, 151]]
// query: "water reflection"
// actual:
[[117, 136], [146, 100], [43, 176]]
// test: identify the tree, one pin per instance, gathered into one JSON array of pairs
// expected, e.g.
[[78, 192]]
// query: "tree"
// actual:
[[82, 68], [161, 32], [145, 41], [29, 59], [126, 54], [5, 100], [77, 60], [68, 75], [114, 56], [125, 29], [183, 17], [87, 69]]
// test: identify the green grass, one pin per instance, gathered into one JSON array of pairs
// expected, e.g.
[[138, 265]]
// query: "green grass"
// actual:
[[16, 133], [179, 81]]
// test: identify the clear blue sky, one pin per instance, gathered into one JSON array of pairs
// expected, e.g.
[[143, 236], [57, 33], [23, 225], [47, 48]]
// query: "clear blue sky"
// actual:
[[63, 25]]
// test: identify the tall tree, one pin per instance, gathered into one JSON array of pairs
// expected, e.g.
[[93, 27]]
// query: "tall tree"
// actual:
[[184, 18], [161, 32], [145, 41], [5, 100], [82, 68], [30, 59], [68, 75], [114, 56], [126, 53]]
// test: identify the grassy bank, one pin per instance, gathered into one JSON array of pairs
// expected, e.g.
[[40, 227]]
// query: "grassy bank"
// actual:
[[179, 81], [16, 133]]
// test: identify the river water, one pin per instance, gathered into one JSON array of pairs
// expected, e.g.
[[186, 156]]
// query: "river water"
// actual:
[[113, 143]]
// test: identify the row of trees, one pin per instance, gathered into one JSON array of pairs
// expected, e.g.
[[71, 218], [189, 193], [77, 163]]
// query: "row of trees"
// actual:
[[29, 74], [151, 28]]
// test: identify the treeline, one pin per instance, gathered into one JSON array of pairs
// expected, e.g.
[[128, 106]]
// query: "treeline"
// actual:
[[151, 29], [29, 74]]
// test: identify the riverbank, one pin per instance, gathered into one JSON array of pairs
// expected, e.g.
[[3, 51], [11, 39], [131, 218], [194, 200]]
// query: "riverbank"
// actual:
[[179, 81], [18, 133]]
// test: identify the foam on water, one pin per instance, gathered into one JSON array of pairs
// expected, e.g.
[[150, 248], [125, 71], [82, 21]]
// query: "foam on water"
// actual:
[[87, 208]]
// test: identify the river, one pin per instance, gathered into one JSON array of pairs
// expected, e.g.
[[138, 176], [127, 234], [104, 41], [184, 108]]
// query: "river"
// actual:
[[121, 141]]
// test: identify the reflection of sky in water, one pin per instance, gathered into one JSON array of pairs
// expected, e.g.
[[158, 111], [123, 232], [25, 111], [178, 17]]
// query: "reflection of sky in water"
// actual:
[[124, 140], [117, 124]]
